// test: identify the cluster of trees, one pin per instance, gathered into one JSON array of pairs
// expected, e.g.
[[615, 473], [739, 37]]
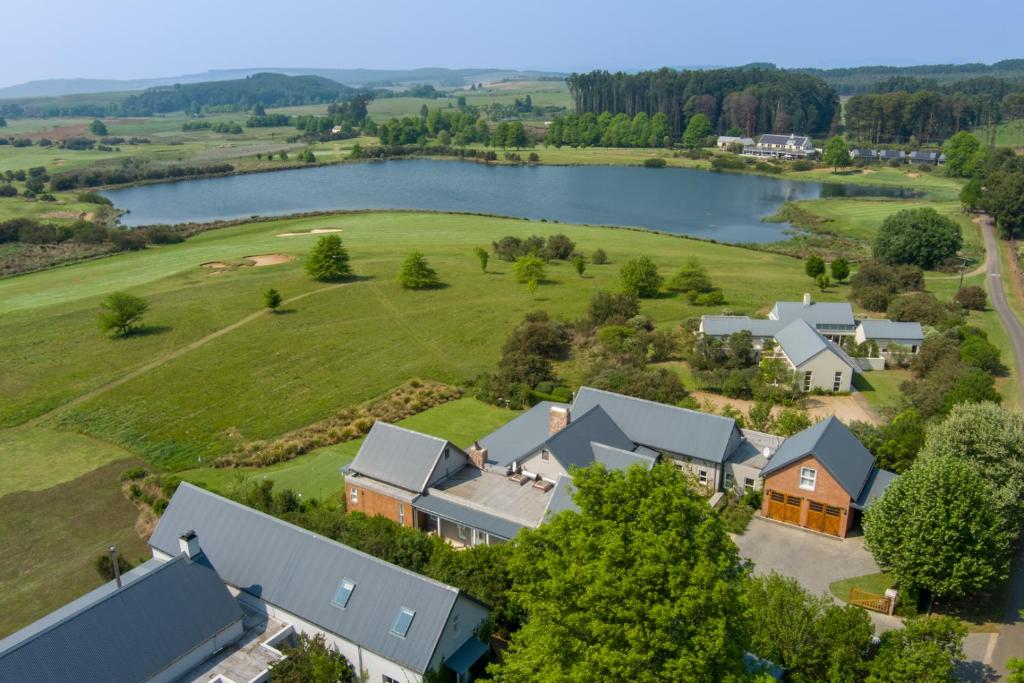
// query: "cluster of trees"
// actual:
[[31, 231], [692, 280], [35, 182], [921, 237], [526, 361], [605, 130], [555, 247], [266, 89], [862, 79], [751, 99], [130, 171], [996, 183], [452, 127]]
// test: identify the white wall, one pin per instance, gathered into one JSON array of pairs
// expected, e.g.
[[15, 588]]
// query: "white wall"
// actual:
[[739, 472], [823, 368], [694, 467], [548, 469], [445, 467], [470, 615]]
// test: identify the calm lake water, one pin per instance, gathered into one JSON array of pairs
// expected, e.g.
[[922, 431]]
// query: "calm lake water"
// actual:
[[722, 206]]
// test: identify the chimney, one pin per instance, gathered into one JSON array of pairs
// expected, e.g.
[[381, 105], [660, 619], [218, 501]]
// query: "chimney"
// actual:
[[189, 544], [558, 419], [477, 455], [767, 453], [807, 299], [113, 562]]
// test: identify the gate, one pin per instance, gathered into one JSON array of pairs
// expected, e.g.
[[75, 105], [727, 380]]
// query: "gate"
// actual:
[[871, 601]]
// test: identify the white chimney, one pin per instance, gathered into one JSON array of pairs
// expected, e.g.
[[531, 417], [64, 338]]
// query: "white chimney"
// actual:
[[807, 299], [189, 544], [767, 453]]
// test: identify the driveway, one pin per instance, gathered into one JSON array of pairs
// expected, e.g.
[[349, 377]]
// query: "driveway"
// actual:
[[997, 295]]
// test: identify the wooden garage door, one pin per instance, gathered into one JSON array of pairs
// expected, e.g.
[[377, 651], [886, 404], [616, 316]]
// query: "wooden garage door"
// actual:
[[832, 518], [823, 518], [776, 505], [793, 509]]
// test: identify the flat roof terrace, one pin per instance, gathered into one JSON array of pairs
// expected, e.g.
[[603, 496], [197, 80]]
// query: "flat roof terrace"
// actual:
[[497, 494], [246, 658]]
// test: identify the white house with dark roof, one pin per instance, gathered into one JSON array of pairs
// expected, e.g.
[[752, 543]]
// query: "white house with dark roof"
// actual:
[[781, 147], [891, 336], [817, 363]]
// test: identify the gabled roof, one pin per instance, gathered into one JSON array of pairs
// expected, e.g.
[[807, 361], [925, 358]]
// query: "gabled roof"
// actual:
[[520, 436], [798, 140], [620, 459], [561, 497], [300, 572], [835, 447], [722, 325], [878, 481], [571, 446], [801, 342], [399, 456], [869, 153], [127, 634], [664, 427], [816, 313], [888, 329]]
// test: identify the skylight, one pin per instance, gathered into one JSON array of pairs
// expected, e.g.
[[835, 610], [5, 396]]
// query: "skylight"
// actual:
[[343, 593], [402, 622]]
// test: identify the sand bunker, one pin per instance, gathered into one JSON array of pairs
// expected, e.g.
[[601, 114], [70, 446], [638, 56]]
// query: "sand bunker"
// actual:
[[256, 261], [314, 231]]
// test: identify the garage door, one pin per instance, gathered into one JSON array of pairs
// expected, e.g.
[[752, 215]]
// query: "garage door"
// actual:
[[823, 518], [784, 508]]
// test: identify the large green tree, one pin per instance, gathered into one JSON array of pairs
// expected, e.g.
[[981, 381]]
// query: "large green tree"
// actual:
[[416, 273], [837, 154], [328, 260], [691, 277], [938, 528], [697, 131], [921, 237], [958, 150], [642, 584], [991, 439], [122, 313], [529, 268], [639, 277], [1003, 197], [925, 650]]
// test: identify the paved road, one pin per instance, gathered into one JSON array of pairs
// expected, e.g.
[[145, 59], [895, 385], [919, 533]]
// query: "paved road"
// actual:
[[997, 296]]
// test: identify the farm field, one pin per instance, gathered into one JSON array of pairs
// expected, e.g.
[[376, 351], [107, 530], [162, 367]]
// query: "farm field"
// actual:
[[542, 94]]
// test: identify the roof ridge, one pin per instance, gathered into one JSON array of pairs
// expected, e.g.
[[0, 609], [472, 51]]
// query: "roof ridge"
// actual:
[[654, 403], [99, 601], [317, 536], [391, 425], [621, 450]]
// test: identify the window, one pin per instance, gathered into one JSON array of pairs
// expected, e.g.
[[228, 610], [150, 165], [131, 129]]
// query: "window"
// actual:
[[354, 495], [462, 532], [838, 381], [808, 476], [402, 622], [401, 514], [343, 593], [389, 679], [544, 455], [445, 452], [455, 624], [727, 481], [748, 483], [702, 475], [807, 380]]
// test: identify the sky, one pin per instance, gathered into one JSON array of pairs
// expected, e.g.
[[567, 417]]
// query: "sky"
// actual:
[[145, 38]]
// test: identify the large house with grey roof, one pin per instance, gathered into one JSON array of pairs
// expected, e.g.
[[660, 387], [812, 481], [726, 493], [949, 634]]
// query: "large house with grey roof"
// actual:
[[226, 586], [784, 334], [521, 473], [781, 147]]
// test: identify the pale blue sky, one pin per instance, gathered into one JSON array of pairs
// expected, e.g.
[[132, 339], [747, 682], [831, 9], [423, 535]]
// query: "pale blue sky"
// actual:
[[146, 38]]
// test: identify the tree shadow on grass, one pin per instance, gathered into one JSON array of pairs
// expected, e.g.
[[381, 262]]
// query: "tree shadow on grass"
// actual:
[[429, 288], [147, 331], [284, 311]]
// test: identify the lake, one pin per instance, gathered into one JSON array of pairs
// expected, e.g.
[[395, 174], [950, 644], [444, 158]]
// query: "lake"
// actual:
[[721, 206]]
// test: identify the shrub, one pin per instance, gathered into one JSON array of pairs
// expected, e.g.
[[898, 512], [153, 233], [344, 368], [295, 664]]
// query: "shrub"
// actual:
[[105, 567], [559, 247], [162, 235], [691, 277], [93, 198], [509, 248], [639, 277], [133, 474], [608, 307], [802, 165], [917, 306], [654, 162], [599, 257], [128, 240], [972, 298]]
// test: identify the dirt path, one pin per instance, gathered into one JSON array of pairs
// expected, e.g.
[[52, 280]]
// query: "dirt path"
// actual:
[[848, 408], [177, 353]]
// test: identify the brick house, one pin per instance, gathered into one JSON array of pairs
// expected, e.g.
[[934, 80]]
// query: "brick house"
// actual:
[[822, 479]]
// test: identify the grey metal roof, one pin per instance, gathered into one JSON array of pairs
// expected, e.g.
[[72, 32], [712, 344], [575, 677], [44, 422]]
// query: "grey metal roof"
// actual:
[[457, 512], [888, 329], [835, 447], [751, 451], [878, 481], [299, 571], [722, 325], [798, 140], [520, 436], [801, 342], [561, 497], [816, 312], [129, 634], [664, 427], [571, 446], [620, 459], [398, 456], [863, 153]]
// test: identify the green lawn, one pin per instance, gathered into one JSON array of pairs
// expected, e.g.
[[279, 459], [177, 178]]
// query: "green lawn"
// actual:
[[872, 583], [881, 387], [315, 475], [33, 458]]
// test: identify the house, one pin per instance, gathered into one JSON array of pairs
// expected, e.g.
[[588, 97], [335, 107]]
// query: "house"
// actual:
[[392, 623], [917, 157], [822, 479], [896, 155], [866, 155], [832, 319], [724, 141], [817, 362], [781, 147], [890, 336], [156, 623]]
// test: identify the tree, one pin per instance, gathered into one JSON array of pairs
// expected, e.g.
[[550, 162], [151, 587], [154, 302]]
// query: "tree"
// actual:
[[938, 528], [814, 266], [921, 237], [639, 277], [1003, 197], [579, 262], [990, 438], [790, 421], [837, 154], [840, 269], [599, 257], [691, 277], [808, 635], [972, 298], [329, 260], [925, 650], [97, 127], [642, 584], [416, 273], [272, 299], [527, 268], [958, 150], [312, 660], [559, 247], [697, 131], [483, 257], [608, 307], [122, 313], [823, 281]]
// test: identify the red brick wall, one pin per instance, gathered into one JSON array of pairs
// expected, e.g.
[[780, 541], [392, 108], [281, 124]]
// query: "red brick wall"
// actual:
[[373, 503], [827, 491]]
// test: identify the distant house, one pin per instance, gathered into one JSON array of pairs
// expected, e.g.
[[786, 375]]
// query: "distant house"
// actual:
[[816, 362], [897, 155], [781, 147], [867, 155], [821, 479], [890, 336], [725, 141], [930, 158]]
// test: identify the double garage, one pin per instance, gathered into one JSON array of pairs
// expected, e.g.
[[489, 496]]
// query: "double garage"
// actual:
[[810, 514]]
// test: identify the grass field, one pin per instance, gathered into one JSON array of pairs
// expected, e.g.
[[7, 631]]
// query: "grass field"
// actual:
[[542, 94], [1008, 134]]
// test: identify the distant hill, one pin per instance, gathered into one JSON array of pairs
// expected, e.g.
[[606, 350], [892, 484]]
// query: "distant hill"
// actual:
[[863, 79], [352, 77]]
